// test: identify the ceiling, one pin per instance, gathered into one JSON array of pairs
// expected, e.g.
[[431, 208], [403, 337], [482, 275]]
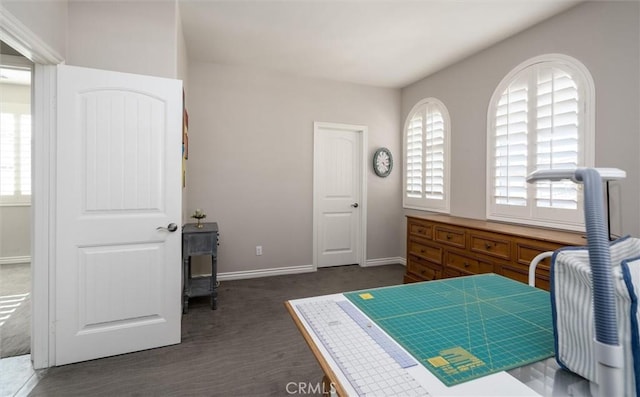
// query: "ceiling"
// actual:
[[379, 43]]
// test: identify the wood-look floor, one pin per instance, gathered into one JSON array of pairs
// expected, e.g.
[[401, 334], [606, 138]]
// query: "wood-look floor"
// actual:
[[249, 346]]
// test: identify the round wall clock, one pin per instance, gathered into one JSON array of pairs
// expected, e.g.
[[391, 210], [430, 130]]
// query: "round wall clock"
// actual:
[[382, 162]]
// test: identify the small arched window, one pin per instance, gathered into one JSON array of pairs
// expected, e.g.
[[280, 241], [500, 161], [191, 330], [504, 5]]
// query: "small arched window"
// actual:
[[540, 117], [426, 156]]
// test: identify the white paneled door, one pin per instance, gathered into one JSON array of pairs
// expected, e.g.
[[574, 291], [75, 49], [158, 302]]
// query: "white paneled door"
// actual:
[[338, 194], [118, 198]]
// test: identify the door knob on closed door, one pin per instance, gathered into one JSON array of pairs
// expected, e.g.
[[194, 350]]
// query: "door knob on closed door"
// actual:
[[172, 227], [354, 205]]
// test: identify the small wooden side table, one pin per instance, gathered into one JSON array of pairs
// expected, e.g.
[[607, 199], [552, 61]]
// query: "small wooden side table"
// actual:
[[199, 241]]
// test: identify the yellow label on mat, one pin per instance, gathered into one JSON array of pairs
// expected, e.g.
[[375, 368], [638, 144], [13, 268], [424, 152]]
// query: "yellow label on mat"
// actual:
[[438, 361], [456, 360], [366, 296]]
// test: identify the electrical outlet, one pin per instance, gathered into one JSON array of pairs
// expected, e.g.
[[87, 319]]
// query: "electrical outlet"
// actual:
[[258, 250]]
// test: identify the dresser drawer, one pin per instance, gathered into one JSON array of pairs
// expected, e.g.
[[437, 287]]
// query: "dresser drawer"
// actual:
[[521, 273], [423, 269], [450, 272], [200, 243], [490, 244], [450, 236], [466, 264], [526, 250], [420, 229], [422, 250], [410, 278]]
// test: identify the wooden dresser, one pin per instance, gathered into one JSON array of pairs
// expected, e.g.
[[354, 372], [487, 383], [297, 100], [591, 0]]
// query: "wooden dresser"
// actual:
[[441, 246]]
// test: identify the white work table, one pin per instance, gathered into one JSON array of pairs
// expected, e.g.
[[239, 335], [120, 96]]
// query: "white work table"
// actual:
[[338, 342]]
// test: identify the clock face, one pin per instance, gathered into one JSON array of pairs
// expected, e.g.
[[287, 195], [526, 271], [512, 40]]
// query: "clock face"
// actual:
[[382, 162]]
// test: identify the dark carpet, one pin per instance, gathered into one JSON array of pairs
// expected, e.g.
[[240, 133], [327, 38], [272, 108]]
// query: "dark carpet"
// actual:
[[249, 346], [15, 309]]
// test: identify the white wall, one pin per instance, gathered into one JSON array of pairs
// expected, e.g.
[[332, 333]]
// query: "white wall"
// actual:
[[46, 19], [182, 66], [182, 61], [129, 36], [251, 161], [604, 36]]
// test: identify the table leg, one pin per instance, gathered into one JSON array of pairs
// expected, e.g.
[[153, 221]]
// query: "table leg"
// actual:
[[327, 387], [214, 282], [185, 280]]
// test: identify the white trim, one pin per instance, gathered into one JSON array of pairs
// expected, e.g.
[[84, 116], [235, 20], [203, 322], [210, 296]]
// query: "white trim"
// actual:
[[43, 216], [386, 261], [278, 271], [15, 259], [362, 243], [16, 204], [20, 38]]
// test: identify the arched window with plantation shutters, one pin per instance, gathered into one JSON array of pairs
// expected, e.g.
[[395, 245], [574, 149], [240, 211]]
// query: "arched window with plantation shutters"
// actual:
[[540, 117], [426, 148]]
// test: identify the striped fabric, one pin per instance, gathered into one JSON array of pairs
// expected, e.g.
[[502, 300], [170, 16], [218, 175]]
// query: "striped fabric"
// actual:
[[572, 309]]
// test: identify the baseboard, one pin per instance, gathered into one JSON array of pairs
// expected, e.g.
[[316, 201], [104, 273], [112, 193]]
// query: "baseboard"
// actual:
[[14, 259], [278, 271], [385, 261]]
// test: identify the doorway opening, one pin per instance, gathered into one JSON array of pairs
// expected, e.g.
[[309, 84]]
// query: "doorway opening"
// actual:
[[15, 211]]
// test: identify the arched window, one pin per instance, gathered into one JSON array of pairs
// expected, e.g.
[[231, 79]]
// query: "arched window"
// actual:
[[426, 156], [540, 117]]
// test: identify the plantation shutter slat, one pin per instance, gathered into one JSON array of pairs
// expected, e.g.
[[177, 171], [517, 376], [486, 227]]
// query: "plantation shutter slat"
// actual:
[[557, 146], [25, 155], [510, 158], [434, 154], [15, 158], [414, 157], [7, 154]]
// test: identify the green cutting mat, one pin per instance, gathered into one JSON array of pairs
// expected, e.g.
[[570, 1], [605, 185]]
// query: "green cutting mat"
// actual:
[[464, 328]]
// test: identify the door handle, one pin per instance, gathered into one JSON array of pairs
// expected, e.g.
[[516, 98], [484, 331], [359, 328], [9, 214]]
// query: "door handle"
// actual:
[[172, 227], [354, 205]]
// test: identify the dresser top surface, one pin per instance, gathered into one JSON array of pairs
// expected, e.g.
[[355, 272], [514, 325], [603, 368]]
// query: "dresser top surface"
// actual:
[[207, 227], [552, 235]]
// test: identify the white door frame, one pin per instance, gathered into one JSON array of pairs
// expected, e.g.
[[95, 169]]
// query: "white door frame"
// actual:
[[23, 40], [362, 228]]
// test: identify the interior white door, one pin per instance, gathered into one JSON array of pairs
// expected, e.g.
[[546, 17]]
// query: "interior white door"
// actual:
[[338, 193], [117, 270]]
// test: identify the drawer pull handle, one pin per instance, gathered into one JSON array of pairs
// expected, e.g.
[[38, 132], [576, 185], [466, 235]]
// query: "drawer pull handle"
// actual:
[[448, 237], [466, 264], [487, 246], [421, 230], [422, 251]]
